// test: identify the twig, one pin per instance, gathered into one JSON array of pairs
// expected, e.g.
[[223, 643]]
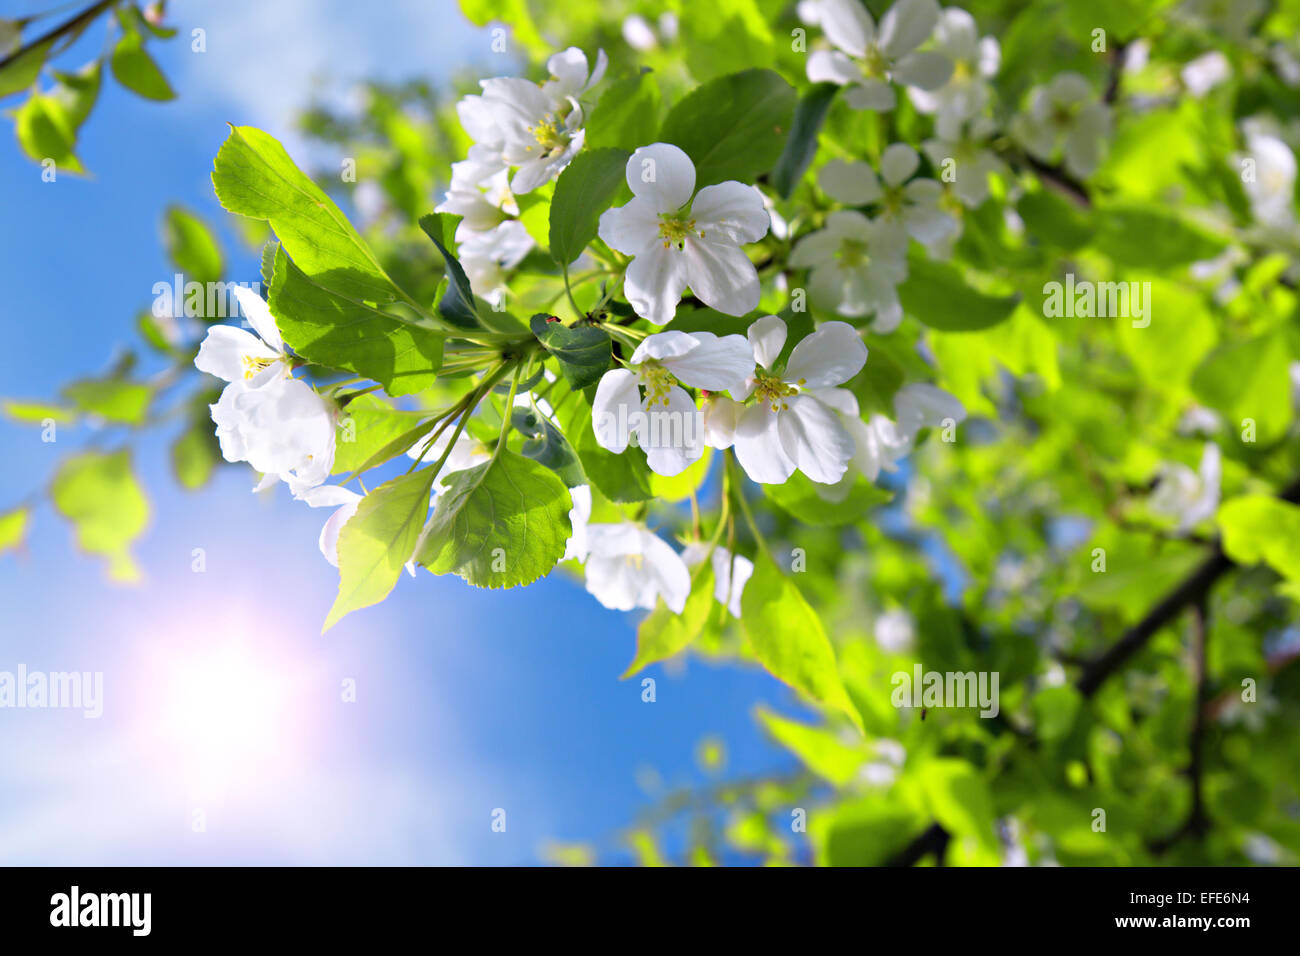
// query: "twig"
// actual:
[[66, 27]]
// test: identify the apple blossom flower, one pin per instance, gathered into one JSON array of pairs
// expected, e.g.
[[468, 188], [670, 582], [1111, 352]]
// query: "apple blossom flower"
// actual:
[[877, 443], [1189, 496], [1064, 117], [790, 426], [537, 129], [1271, 191], [576, 548], [972, 160], [856, 266], [480, 195], [672, 435], [912, 206], [975, 60], [344, 502], [1205, 73], [919, 405], [486, 257], [282, 428], [628, 566], [728, 587], [235, 355], [677, 241], [866, 60]]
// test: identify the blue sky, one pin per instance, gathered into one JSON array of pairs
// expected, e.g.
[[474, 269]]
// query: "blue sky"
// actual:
[[467, 701]]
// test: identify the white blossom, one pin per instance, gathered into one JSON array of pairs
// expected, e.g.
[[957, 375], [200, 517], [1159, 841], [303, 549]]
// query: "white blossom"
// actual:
[[628, 566], [345, 503], [1065, 117], [235, 355], [1189, 496], [728, 587], [282, 428], [866, 60], [975, 61], [856, 266], [972, 160], [678, 241], [487, 257]]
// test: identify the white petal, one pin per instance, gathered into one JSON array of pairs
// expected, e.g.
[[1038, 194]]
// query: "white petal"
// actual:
[[830, 356], [814, 439], [730, 572], [630, 228], [613, 409], [329, 496], [329, 532], [732, 211], [259, 317], [654, 283], [672, 433], [569, 67], [667, 573], [758, 446], [919, 405], [722, 276], [699, 359], [224, 349], [577, 548], [870, 95], [897, 163], [925, 70], [854, 183], [720, 417], [767, 338], [906, 25], [832, 66], [847, 24], [662, 175]]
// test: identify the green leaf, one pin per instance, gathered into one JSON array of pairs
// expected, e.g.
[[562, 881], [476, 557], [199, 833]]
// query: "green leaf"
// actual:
[[819, 748], [13, 528], [626, 115], [255, 177], [584, 190], [366, 427], [879, 380], [1051, 218], [960, 800], [113, 400], [1055, 710], [1248, 380], [663, 633], [36, 413], [500, 524], [799, 497], [801, 147], [76, 93], [195, 455], [191, 245], [937, 295], [546, 444], [377, 541], [1261, 528], [135, 69], [457, 305], [734, 127], [788, 639], [1125, 234], [43, 132], [582, 351], [23, 70], [343, 333], [726, 35], [624, 478], [99, 494]]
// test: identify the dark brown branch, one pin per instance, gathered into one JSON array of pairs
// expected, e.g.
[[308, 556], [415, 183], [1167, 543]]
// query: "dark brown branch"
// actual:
[[934, 839], [64, 28]]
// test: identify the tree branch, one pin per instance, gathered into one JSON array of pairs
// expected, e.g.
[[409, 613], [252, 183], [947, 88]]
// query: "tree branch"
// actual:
[[66, 27], [934, 839]]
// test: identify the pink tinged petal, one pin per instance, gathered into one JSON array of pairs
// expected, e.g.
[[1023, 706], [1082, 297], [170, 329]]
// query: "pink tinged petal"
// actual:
[[614, 409], [671, 434], [731, 211], [925, 70], [854, 183], [767, 338], [224, 349], [847, 24], [259, 317], [897, 163], [662, 175], [713, 363], [814, 439], [721, 415], [654, 282], [631, 228], [832, 66], [666, 573], [759, 448], [722, 276], [906, 25], [830, 356]]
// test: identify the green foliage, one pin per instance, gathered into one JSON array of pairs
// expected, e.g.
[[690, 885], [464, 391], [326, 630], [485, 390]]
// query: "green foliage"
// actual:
[[663, 634], [192, 246], [135, 69], [583, 352], [98, 492], [586, 188], [626, 116], [501, 524]]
